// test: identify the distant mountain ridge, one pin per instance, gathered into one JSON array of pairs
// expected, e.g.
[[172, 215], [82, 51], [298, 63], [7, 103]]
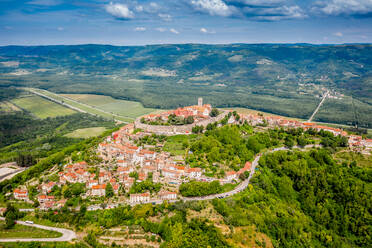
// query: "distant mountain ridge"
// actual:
[[286, 79]]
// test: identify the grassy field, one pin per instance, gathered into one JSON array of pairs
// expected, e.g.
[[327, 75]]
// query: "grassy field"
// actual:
[[174, 144], [86, 132], [129, 109], [84, 107], [41, 107], [21, 231], [8, 107]]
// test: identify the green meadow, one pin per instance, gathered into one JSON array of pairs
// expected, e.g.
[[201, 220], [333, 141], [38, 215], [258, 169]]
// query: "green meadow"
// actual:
[[125, 108], [86, 132], [41, 107]]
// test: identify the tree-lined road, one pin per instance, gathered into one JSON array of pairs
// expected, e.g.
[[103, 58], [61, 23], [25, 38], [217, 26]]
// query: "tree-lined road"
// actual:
[[238, 188]]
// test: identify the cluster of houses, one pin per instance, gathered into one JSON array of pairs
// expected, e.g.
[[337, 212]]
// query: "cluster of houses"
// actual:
[[124, 163], [199, 111], [356, 142], [95, 182], [129, 158], [119, 150], [46, 201]]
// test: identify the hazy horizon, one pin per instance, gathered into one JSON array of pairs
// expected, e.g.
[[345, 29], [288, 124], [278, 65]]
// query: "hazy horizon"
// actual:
[[195, 43]]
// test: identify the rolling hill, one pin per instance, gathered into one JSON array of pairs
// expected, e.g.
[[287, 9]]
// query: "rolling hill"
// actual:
[[285, 79]]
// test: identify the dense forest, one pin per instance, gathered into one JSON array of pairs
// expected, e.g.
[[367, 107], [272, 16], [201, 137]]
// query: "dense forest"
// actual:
[[286, 79], [25, 139], [305, 199], [8, 93], [296, 198], [231, 146], [21, 126]]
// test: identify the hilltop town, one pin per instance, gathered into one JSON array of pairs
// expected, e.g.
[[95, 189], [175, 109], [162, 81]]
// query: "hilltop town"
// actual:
[[126, 164]]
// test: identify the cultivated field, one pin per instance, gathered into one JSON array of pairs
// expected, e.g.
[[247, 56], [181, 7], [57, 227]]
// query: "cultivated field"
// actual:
[[8, 107], [81, 106], [41, 107], [125, 108], [86, 132]]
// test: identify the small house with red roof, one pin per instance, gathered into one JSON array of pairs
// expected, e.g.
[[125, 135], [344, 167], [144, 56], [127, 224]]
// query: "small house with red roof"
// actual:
[[20, 194]]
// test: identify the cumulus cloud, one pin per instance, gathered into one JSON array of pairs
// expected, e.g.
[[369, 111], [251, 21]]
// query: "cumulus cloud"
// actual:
[[174, 31], [344, 7], [140, 29], [259, 10], [120, 11], [212, 7], [339, 34]]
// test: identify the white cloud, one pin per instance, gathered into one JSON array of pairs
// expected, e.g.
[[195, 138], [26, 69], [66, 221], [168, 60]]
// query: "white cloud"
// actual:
[[119, 10], [213, 7], [206, 31], [259, 10], [274, 13], [160, 29], [60, 29], [165, 17], [174, 31], [140, 29], [348, 7], [339, 34]]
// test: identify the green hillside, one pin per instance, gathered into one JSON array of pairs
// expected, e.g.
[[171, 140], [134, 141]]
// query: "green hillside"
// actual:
[[278, 78]]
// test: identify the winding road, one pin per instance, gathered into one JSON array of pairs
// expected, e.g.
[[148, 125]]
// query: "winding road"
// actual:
[[67, 235], [238, 188]]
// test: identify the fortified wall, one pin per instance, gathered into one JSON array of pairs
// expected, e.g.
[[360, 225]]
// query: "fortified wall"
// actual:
[[182, 129]]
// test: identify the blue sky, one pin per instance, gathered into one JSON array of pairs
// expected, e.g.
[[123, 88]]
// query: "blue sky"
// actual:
[[124, 22]]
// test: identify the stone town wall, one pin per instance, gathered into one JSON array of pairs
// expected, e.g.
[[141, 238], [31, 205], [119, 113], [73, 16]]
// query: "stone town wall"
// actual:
[[182, 129]]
